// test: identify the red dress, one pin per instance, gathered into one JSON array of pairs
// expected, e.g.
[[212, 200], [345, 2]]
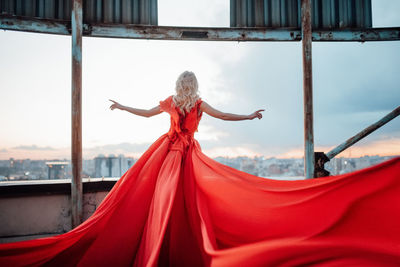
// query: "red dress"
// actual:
[[177, 207]]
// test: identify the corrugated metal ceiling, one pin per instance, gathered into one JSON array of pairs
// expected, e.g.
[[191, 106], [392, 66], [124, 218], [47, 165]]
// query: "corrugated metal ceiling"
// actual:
[[94, 11], [326, 14]]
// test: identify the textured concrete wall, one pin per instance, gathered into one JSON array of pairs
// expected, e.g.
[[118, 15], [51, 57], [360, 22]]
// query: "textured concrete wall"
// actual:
[[41, 214]]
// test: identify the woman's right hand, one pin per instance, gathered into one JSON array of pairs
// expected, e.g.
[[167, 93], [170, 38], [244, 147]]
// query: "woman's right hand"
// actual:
[[115, 105]]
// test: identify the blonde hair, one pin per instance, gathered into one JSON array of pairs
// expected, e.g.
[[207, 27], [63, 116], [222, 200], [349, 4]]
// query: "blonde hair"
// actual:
[[186, 91]]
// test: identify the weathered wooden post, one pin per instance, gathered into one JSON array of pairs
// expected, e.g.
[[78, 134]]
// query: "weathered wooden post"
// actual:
[[76, 119], [306, 31]]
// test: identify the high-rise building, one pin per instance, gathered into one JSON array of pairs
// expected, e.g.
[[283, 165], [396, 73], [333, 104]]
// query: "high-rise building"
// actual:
[[112, 166], [57, 169]]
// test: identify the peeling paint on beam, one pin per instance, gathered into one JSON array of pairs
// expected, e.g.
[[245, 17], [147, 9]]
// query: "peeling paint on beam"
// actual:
[[357, 35], [17, 23], [193, 33], [130, 31]]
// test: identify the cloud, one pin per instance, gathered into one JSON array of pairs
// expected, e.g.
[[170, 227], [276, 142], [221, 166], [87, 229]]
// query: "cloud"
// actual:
[[231, 151], [34, 147], [386, 13], [35, 152], [356, 77], [355, 85], [193, 13], [209, 132]]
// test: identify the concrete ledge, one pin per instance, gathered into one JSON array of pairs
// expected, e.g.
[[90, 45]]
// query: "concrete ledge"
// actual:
[[32, 209], [51, 187]]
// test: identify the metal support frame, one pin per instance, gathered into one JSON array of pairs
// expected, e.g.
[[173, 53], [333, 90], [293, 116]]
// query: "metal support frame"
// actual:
[[307, 89], [76, 109], [17, 23]]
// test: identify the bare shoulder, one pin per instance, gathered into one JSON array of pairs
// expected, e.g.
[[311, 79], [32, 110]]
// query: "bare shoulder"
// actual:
[[207, 108], [204, 105]]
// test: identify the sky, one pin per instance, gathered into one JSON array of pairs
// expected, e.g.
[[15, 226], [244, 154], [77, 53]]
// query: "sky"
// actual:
[[355, 84]]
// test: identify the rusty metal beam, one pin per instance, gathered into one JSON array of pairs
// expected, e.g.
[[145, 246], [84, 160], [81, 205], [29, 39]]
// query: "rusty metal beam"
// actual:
[[76, 110], [131, 31], [194, 33], [307, 90], [17, 23], [357, 35], [351, 141]]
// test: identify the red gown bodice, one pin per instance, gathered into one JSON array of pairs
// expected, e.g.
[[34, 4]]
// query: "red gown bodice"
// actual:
[[184, 124]]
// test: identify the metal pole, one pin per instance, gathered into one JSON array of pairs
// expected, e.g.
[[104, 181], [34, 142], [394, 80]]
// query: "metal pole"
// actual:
[[307, 89], [76, 119], [351, 141]]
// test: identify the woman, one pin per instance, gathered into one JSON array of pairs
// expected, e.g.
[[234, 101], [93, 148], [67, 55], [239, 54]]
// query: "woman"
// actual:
[[185, 99], [177, 207]]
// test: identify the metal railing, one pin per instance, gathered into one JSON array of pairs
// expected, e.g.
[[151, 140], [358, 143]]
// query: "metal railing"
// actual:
[[321, 158]]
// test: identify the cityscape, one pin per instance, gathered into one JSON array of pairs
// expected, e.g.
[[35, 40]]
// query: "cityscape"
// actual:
[[115, 166]]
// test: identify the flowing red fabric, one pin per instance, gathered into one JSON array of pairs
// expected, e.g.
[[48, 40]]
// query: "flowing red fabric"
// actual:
[[177, 207]]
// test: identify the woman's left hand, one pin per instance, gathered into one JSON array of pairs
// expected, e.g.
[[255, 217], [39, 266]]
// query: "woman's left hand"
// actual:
[[256, 114]]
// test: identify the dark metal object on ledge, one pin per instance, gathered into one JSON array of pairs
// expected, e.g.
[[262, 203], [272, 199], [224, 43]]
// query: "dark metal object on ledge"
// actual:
[[320, 160]]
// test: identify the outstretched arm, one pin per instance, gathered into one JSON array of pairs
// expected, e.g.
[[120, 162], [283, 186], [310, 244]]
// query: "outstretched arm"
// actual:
[[229, 116], [140, 112]]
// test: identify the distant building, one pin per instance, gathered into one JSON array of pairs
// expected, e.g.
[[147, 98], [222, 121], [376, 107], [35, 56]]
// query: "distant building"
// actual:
[[112, 166], [88, 168], [57, 169]]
